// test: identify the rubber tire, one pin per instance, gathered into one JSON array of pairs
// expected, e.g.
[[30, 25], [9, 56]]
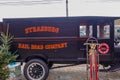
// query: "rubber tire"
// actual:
[[41, 62]]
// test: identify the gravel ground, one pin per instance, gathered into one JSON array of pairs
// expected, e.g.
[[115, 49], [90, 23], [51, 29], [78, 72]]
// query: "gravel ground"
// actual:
[[75, 73]]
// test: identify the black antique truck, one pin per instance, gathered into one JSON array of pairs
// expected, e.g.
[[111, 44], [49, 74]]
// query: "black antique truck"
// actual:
[[41, 42]]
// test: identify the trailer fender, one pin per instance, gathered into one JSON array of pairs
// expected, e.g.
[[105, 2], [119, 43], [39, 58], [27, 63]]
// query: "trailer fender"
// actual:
[[42, 57]]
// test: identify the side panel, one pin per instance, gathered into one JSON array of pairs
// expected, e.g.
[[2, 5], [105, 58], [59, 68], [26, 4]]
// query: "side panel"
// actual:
[[57, 38], [53, 39], [34, 28]]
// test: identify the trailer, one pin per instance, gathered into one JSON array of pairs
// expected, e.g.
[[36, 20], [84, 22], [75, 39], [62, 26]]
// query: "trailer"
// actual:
[[42, 42]]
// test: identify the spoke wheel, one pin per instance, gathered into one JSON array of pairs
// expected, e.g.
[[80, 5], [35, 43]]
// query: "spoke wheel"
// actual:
[[36, 70]]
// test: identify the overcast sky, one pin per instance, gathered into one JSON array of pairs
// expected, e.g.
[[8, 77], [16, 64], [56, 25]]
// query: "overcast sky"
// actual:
[[58, 9]]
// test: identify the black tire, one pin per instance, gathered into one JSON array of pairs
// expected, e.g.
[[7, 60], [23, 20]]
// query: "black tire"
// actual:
[[36, 70]]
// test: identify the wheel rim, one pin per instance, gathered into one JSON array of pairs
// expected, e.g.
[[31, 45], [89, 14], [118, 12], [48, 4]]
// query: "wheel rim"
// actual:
[[35, 71]]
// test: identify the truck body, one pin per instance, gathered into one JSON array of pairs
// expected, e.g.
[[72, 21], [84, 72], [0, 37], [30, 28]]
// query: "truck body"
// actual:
[[61, 39]]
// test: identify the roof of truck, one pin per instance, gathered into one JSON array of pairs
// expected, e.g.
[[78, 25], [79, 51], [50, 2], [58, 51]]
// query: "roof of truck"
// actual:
[[61, 18]]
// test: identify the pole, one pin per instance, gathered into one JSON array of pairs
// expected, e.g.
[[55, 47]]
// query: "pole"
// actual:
[[67, 8]]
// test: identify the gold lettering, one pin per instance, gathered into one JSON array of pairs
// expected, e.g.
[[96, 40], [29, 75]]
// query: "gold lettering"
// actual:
[[57, 30], [26, 31], [41, 29], [34, 29], [23, 46], [42, 47], [37, 47], [56, 46], [31, 29], [49, 29]]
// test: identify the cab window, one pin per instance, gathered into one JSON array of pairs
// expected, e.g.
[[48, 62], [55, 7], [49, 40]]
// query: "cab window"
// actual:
[[85, 31], [103, 31]]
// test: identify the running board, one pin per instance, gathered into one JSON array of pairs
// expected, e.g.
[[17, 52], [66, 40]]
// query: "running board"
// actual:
[[114, 68], [69, 60]]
